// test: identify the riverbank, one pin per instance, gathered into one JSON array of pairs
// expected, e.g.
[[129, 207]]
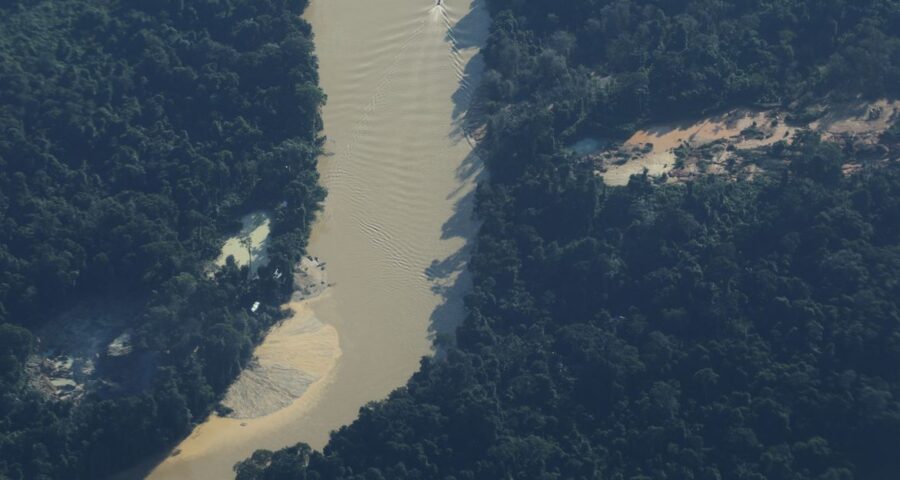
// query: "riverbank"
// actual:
[[396, 225], [295, 354]]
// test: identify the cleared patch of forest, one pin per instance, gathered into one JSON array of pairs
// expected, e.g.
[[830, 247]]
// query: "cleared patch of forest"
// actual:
[[734, 143], [701, 330], [134, 135]]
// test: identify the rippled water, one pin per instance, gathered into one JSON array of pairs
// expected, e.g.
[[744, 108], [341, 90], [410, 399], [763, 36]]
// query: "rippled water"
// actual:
[[400, 175]]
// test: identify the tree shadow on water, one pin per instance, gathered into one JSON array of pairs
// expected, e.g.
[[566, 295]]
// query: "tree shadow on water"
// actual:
[[472, 29], [450, 276], [470, 32]]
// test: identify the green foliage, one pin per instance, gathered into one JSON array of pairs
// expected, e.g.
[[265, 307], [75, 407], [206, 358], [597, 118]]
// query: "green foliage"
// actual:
[[607, 64], [16, 343], [714, 330], [134, 133]]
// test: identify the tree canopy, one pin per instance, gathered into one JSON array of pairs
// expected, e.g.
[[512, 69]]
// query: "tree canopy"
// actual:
[[713, 330], [134, 134]]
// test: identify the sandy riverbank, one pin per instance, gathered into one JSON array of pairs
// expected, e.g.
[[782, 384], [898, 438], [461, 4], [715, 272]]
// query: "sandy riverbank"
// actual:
[[399, 75]]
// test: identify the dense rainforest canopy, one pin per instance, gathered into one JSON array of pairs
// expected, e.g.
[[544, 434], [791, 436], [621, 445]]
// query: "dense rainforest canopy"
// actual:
[[713, 330], [134, 134]]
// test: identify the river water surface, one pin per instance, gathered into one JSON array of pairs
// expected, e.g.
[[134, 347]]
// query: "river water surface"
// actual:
[[394, 232]]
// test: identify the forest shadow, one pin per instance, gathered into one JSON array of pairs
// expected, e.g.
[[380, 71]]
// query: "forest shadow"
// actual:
[[470, 32], [450, 277], [468, 113]]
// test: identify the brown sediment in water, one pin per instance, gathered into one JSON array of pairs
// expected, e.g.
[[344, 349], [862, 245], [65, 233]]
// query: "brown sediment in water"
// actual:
[[291, 369], [315, 351], [295, 354], [399, 75]]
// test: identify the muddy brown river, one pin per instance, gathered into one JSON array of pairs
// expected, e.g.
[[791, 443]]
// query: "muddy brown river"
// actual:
[[394, 234]]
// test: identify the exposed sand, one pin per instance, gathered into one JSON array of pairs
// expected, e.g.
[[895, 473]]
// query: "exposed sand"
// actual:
[[295, 364], [285, 379], [294, 355], [654, 148], [656, 163], [255, 230], [860, 119], [399, 75], [707, 130], [661, 158], [226, 438], [70, 347]]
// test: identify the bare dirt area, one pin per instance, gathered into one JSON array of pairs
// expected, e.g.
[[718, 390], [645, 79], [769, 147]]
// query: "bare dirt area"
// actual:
[[273, 380], [720, 144], [395, 228], [862, 120], [88, 349], [249, 246]]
